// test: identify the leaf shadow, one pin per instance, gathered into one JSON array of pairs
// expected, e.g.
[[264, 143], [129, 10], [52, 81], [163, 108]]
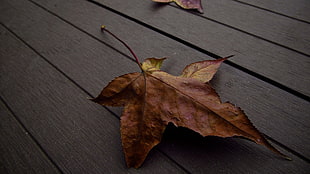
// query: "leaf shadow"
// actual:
[[157, 6], [192, 141], [190, 148]]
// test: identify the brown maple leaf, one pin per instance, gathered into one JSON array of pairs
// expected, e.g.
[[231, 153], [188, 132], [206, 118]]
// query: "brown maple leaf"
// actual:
[[186, 4], [153, 98]]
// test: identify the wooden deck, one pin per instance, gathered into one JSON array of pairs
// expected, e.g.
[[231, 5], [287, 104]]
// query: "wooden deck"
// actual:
[[53, 57]]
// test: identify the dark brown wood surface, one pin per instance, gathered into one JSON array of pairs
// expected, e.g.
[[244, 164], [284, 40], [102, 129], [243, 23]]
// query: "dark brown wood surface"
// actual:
[[19, 152], [53, 57], [297, 9], [252, 53]]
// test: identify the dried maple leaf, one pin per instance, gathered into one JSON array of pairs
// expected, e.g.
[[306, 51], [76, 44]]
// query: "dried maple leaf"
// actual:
[[153, 98], [186, 4]]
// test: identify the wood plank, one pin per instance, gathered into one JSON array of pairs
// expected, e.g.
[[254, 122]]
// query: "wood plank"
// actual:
[[78, 135], [87, 61], [19, 153], [275, 28], [295, 8], [264, 103], [280, 64], [230, 155]]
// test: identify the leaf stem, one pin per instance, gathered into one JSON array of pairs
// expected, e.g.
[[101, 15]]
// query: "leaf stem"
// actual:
[[103, 28]]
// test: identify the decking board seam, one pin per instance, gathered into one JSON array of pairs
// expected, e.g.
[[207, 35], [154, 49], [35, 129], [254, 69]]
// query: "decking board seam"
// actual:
[[83, 31], [245, 32], [239, 67], [287, 149], [278, 13], [130, 58], [101, 42], [76, 84], [29, 133]]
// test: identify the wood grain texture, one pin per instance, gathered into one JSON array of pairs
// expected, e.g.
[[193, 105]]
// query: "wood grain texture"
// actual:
[[78, 135], [262, 102], [295, 8], [279, 64], [19, 153], [89, 135], [276, 28], [230, 155]]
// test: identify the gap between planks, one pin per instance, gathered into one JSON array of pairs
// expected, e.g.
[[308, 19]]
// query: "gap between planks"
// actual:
[[28, 132], [246, 70], [240, 30], [272, 11], [278, 72], [76, 84], [67, 75]]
